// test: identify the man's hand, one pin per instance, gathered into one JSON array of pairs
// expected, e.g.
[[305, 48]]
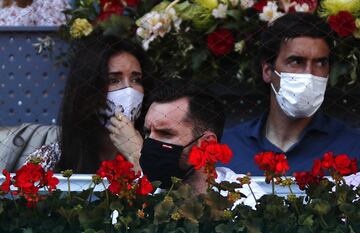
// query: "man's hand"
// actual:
[[126, 139]]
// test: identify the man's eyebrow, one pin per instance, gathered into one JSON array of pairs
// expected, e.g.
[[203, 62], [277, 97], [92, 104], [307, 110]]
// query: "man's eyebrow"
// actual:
[[294, 57], [115, 73], [136, 72], [166, 130], [322, 58]]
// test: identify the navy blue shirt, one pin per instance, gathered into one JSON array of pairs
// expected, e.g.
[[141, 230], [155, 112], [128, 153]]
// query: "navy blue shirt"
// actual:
[[323, 134]]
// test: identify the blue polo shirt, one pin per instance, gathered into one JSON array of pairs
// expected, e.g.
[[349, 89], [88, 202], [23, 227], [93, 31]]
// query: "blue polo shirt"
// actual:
[[323, 134]]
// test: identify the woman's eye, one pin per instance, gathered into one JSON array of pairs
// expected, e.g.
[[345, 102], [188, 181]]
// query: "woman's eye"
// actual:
[[137, 78], [114, 81]]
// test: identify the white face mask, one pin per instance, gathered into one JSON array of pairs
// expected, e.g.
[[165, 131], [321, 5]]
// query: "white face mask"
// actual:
[[127, 101], [300, 95]]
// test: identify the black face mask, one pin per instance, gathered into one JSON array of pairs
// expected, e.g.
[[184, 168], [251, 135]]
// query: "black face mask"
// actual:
[[160, 161]]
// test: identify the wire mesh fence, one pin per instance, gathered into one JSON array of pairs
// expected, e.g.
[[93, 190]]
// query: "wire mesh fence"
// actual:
[[32, 83]]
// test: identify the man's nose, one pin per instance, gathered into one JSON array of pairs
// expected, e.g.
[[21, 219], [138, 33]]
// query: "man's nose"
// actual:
[[309, 69]]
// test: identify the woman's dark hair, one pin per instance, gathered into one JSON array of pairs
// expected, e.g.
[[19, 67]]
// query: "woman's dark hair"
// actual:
[[82, 134]]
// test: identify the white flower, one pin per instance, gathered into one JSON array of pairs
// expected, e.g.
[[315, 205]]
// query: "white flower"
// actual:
[[45, 43], [302, 8], [245, 4], [220, 11], [175, 19], [154, 24], [270, 12], [239, 46]]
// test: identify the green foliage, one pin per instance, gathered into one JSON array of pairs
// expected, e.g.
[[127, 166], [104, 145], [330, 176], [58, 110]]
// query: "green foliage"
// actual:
[[326, 207], [184, 51]]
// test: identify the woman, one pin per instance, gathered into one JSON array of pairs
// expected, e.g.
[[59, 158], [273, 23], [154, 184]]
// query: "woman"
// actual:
[[107, 76]]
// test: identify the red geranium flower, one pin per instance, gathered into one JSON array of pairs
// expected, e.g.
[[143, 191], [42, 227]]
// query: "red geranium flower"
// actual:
[[132, 3], [304, 179], [282, 165], [221, 42], [209, 152], [328, 160], [266, 161], [342, 23], [27, 176], [317, 168], [50, 181], [5, 186], [260, 5], [145, 187], [108, 8], [273, 164], [344, 165], [207, 155], [29, 179], [122, 178], [197, 157]]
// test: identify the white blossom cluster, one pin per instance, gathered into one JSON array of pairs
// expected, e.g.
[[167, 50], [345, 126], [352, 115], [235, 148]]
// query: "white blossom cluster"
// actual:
[[39, 13], [155, 24], [270, 11]]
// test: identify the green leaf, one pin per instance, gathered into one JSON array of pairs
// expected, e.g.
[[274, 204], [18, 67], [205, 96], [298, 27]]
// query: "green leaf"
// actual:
[[89, 231], [217, 201], [28, 230], [199, 56], [68, 214], [182, 7], [161, 6], [347, 208], [337, 70], [163, 211], [117, 205], [191, 227], [235, 14], [224, 228], [191, 210], [321, 207], [117, 25], [306, 220]]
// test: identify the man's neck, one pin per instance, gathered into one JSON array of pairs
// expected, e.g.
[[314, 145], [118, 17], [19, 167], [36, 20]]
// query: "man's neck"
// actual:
[[198, 182], [281, 130]]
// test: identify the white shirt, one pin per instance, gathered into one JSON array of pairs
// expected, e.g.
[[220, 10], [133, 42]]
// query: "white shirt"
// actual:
[[226, 174]]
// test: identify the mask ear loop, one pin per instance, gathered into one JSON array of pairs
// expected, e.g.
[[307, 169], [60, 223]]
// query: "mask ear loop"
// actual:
[[197, 138], [279, 75], [191, 169]]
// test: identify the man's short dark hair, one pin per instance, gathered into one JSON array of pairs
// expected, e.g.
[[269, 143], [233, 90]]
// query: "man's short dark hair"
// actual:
[[205, 111], [290, 26]]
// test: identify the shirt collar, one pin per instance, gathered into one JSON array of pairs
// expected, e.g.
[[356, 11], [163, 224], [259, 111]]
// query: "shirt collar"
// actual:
[[319, 123]]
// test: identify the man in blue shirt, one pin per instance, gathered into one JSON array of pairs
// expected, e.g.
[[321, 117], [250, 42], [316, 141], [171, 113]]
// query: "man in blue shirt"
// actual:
[[295, 60]]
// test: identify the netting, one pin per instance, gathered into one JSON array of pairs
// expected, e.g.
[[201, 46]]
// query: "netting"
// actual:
[[216, 50]]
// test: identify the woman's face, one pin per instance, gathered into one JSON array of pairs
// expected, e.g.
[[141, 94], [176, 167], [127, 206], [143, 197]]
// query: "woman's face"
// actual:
[[124, 71]]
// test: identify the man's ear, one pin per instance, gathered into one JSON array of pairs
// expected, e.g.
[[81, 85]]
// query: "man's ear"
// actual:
[[208, 136], [267, 70]]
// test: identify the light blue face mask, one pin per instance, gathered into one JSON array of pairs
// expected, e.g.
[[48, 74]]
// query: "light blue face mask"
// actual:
[[300, 95]]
